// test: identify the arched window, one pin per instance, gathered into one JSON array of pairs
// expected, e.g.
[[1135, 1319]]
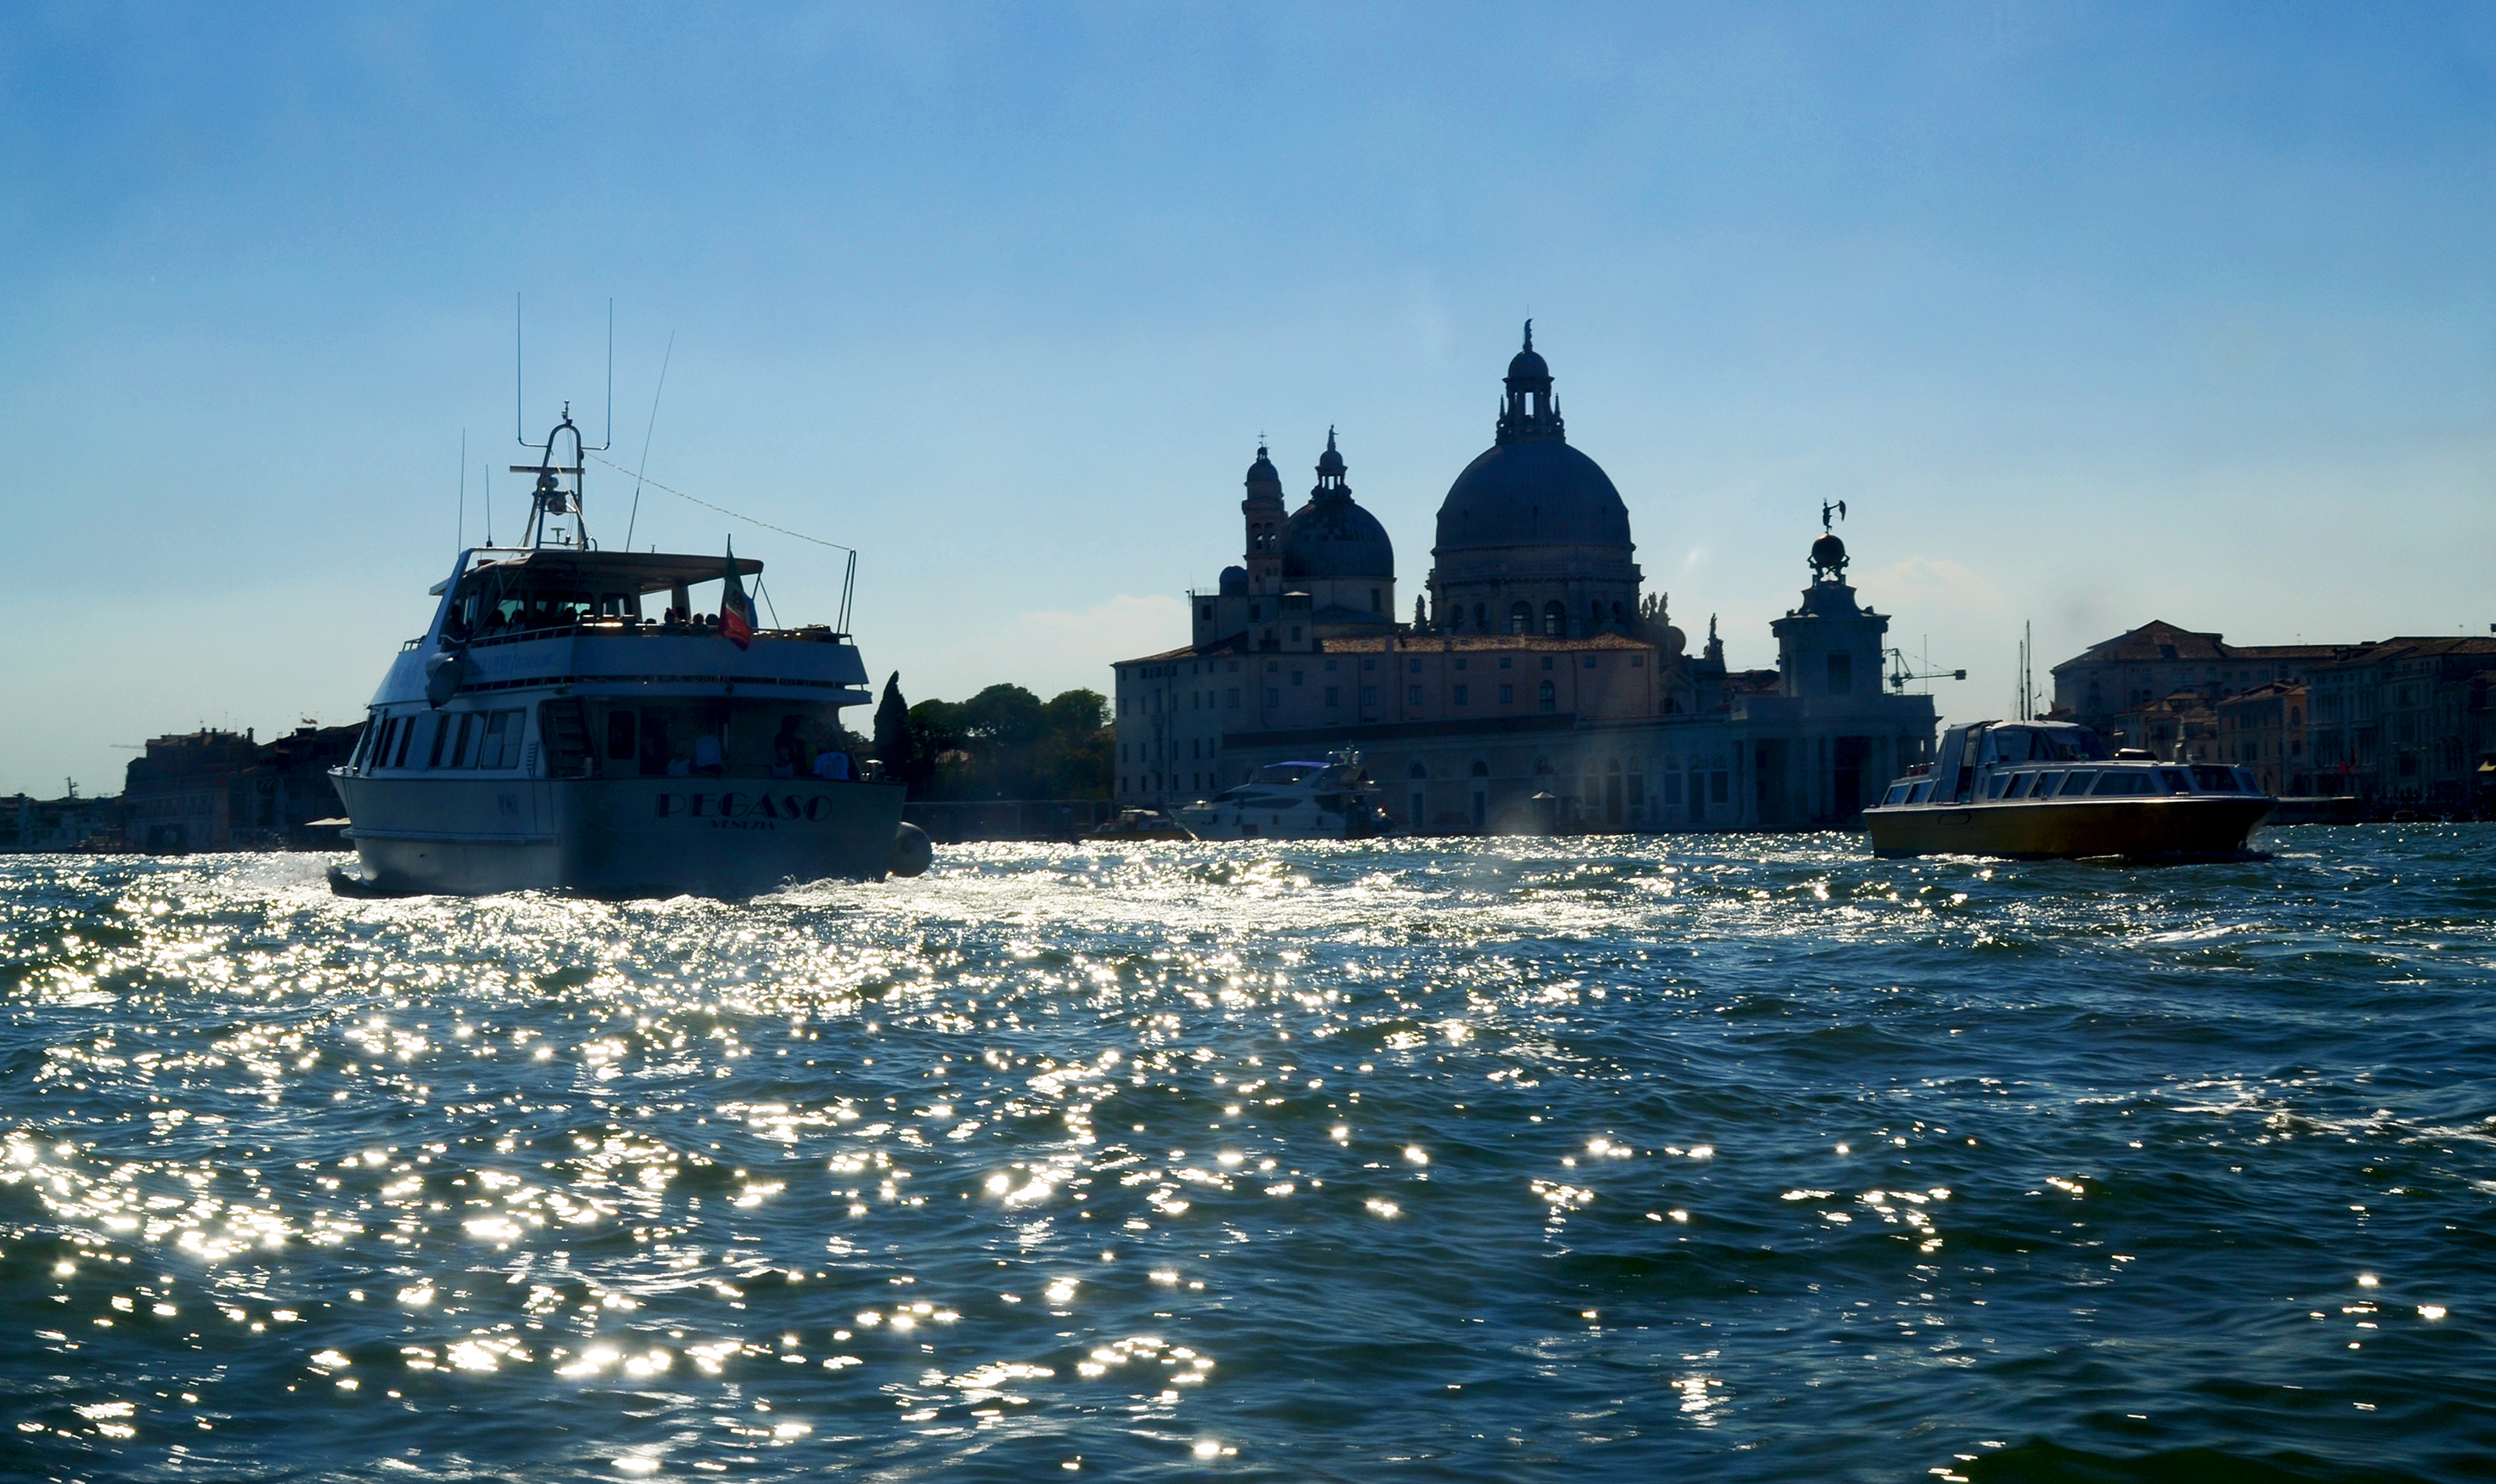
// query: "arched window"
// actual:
[[1480, 620], [1481, 769], [1618, 615], [1555, 619], [1541, 767], [1419, 770], [1520, 618]]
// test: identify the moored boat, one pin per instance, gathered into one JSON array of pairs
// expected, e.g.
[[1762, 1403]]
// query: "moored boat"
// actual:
[[1139, 825], [543, 732], [2043, 789], [1332, 799]]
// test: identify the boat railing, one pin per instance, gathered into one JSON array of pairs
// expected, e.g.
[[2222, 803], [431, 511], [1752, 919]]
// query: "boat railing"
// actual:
[[633, 628]]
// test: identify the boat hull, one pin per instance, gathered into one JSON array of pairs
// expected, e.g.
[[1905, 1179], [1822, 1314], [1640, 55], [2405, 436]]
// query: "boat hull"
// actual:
[[617, 837], [2139, 828]]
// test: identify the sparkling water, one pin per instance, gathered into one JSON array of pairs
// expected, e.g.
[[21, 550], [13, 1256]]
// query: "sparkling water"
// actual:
[[1746, 1155]]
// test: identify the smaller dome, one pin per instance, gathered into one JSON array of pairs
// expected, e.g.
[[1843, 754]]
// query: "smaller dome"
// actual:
[[1335, 539], [1263, 471], [1528, 366], [1234, 582]]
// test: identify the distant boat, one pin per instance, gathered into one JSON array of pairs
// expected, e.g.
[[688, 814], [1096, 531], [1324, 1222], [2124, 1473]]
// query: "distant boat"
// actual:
[[1331, 799], [2048, 790], [1139, 825], [543, 732]]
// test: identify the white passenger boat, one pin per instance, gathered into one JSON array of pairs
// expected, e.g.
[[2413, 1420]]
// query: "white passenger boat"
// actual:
[[1329, 800], [543, 732], [2044, 789]]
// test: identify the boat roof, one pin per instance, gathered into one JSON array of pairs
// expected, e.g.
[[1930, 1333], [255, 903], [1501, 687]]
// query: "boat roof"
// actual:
[[637, 572]]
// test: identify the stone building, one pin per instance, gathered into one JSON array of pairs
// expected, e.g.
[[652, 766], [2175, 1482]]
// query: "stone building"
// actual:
[[2264, 730], [2408, 724], [2155, 662], [220, 790], [1534, 687]]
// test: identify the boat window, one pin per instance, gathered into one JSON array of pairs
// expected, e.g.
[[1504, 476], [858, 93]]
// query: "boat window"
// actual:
[[623, 744], [2246, 781], [1897, 794], [2075, 784], [463, 751], [1285, 772], [380, 757], [2126, 782], [406, 735], [2214, 780], [499, 746], [1994, 785], [2019, 785], [2178, 780], [441, 734], [1922, 791]]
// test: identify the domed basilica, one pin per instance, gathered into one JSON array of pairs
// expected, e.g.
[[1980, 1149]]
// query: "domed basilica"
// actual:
[[1534, 687]]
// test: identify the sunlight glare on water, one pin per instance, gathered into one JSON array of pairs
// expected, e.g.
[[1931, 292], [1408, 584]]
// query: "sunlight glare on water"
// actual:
[[1432, 1158]]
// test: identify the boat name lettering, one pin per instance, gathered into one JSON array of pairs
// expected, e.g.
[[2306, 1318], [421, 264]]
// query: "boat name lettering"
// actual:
[[740, 805]]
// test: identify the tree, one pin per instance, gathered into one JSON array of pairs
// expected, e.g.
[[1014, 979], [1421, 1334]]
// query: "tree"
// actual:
[[892, 729], [1004, 720]]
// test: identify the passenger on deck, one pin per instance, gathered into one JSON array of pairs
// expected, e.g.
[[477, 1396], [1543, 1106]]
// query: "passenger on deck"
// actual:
[[787, 749], [832, 764], [709, 760]]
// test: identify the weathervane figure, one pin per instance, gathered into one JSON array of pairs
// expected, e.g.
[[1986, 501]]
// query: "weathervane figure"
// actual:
[[1826, 508]]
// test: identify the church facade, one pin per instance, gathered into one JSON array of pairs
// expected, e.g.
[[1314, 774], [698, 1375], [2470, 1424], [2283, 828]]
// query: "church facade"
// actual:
[[1535, 687]]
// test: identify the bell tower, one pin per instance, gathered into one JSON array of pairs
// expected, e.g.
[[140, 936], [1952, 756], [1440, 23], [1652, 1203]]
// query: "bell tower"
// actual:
[[1263, 513]]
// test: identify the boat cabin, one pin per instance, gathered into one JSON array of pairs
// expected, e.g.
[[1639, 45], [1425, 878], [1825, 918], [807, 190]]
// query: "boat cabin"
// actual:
[[2005, 762]]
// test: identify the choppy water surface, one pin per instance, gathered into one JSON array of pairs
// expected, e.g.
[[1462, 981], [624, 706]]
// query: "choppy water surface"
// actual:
[[1746, 1155]]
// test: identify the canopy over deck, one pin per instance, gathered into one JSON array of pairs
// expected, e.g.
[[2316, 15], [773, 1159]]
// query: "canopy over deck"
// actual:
[[636, 572]]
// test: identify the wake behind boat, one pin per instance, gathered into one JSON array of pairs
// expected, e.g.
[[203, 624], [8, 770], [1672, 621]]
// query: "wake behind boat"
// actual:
[[543, 732], [2044, 789]]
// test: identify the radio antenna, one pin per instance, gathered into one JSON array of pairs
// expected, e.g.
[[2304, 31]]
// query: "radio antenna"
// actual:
[[519, 421], [647, 429], [610, 379], [463, 488]]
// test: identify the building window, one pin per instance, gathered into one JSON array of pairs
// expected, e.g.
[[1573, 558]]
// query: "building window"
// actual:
[[1204, 611], [1369, 665], [1333, 695], [1547, 661], [1232, 698], [1374, 601], [1369, 696], [1520, 618], [1841, 674], [1413, 695], [1547, 699], [1274, 697], [1329, 664], [1508, 696], [1590, 662], [1459, 696], [1555, 619], [1460, 661], [1507, 662]]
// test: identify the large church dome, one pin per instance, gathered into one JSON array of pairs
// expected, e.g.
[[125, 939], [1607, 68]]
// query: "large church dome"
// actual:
[[1530, 488], [1331, 536], [1535, 493]]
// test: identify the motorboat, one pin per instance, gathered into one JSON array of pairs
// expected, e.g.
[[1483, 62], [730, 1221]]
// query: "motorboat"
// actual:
[[1139, 825], [1330, 799], [2037, 789], [545, 733]]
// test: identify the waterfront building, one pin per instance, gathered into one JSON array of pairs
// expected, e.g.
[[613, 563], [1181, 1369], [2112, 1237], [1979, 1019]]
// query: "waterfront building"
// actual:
[[2398, 724], [1535, 686], [222, 790]]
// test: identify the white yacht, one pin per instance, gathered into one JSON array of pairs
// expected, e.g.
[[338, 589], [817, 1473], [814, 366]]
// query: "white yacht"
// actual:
[[543, 732], [1329, 800]]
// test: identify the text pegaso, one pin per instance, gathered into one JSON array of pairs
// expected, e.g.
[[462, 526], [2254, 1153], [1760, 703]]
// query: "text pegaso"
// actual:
[[738, 810]]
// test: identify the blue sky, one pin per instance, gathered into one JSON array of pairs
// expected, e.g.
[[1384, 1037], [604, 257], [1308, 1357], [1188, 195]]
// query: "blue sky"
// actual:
[[2093, 314]]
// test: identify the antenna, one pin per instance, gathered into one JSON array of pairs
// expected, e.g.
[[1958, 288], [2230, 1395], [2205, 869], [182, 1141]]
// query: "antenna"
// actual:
[[463, 490], [646, 430], [520, 422], [611, 378]]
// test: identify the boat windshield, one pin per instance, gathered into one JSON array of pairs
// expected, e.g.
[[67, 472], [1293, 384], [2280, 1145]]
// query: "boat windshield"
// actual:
[[1286, 772], [2044, 744]]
